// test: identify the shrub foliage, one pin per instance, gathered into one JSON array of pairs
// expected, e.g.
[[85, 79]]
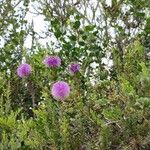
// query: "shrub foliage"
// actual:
[[109, 103]]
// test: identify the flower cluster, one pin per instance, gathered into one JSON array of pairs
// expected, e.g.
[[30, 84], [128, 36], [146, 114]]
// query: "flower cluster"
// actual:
[[60, 90], [74, 68], [24, 70], [52, 61]]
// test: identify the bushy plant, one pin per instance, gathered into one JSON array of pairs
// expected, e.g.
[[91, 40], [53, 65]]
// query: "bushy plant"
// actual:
[[56, 100]]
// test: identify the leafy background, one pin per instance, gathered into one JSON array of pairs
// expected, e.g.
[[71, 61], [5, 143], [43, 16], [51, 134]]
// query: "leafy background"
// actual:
[[109, 105]]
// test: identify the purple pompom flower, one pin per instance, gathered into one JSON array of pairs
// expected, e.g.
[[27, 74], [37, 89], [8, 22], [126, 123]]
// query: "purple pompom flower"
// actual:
[[52, 61], [74, 68], [60, 90], [24, 70]]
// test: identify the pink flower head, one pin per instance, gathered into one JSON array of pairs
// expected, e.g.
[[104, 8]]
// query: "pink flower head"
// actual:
[[52, 61], [74, 68], [60, 90], [24, 70]]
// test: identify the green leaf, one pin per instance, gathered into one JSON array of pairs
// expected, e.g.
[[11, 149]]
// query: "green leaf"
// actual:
[[84, 37], [57, 33], [76, 25], [73, 37], [140, 14], [81, 43], [145, 70], [144, 101], [89, 28], [127, 88], [103, 101], [55, 22], [113, 113]]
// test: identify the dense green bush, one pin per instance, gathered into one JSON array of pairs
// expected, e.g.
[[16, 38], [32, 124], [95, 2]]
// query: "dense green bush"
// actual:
[[108, 107]]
